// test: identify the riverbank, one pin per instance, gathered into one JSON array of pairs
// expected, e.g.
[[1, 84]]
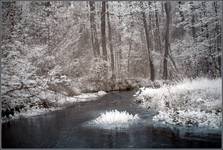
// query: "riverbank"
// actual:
[[34, 97], [70, 128], [195, 102], [53, 104]]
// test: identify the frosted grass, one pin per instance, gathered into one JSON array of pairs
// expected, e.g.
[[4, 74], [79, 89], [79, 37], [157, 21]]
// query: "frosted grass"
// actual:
[[114, 119], [196, 102]]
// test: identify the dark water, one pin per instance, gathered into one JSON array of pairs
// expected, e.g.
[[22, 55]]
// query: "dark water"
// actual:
[[65, 129]]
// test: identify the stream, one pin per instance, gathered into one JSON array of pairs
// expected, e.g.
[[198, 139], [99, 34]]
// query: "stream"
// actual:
[[65, 129]]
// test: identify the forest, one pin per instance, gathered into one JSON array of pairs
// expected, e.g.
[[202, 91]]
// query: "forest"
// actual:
[[61, 53]]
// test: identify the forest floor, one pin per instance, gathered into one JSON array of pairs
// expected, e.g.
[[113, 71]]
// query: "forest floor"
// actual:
[[195, 102]]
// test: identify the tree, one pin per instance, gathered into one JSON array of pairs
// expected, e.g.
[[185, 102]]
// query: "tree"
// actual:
[[151, 65], [110, 43], [159, 46], [218, 37], [130, 40], [94, 38], [167, 44], [103, 30]]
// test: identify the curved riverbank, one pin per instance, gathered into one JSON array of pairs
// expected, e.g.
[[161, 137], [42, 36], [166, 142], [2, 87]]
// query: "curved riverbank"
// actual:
[[66, 129]]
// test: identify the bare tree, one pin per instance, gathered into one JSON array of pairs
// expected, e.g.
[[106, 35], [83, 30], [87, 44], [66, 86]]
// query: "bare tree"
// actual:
[[167, 44], [103, 29], [130, 39], [110, 43], [151, 65], [218, 39], [159, 46], [94, 38]]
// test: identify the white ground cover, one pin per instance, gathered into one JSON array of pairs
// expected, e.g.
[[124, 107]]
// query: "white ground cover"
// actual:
[[195, 102], [59, 100], [114, 119]]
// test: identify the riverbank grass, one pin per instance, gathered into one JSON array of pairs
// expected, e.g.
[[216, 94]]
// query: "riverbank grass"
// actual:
[[195, 102]]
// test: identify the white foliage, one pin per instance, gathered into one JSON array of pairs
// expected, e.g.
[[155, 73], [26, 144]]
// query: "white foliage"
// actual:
[[190, 102], [115, 119], [101, 93], [189, 118]]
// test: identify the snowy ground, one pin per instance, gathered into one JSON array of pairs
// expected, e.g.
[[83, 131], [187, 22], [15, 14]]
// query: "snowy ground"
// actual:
[[58, 99], [195, 102], [62, 102]]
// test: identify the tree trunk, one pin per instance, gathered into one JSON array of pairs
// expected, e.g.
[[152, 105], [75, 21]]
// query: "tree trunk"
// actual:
[[103, 33], [152, 72], [158, 30], [130, 41], [110, 43], [119, 47], [162, 9], [167, 44], [218, 38], [94, 38], [129, 55]]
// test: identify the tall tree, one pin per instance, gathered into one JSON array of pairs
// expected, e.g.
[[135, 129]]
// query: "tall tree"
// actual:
[[218, 37], [130, 41], [118, 52], [158, 38], [110, 43], [167, 7], [94, 38], [103, 30], [151, 65]]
